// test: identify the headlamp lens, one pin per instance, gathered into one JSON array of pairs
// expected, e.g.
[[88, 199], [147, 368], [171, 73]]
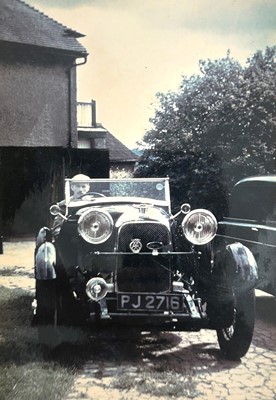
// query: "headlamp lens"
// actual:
[[95, 226], [199, 226]]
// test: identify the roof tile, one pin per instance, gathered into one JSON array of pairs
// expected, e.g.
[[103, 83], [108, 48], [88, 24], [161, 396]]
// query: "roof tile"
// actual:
[[21, 23], [118, 151]]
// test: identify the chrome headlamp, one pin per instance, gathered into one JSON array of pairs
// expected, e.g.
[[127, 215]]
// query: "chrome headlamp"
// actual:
[[199, 226], [95, 226]]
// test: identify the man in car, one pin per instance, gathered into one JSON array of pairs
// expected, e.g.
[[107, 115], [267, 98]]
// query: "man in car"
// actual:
[[45, 255], [79, 188]]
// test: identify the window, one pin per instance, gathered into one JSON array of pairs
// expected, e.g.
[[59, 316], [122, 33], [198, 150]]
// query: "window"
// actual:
[[253, 201]]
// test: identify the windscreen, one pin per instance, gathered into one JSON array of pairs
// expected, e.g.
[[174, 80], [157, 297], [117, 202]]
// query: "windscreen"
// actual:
[[156, 189]]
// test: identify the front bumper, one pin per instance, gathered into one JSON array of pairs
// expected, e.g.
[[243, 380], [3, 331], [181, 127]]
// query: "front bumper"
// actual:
[[192, 317]]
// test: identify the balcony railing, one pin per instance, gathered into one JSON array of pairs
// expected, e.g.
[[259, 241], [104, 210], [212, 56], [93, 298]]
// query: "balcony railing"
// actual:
[[86, 114]]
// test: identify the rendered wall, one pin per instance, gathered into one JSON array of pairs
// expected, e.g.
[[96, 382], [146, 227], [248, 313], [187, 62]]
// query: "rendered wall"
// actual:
[[37, 99]]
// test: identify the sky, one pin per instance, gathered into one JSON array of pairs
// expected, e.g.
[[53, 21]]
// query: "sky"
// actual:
[[140, 47]]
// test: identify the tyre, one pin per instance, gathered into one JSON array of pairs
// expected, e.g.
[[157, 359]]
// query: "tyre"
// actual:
[[234, 341], [46, 297], [52, 312]]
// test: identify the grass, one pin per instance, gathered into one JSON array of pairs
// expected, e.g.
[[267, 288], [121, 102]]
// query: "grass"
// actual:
[[166, 384], [28, 371]]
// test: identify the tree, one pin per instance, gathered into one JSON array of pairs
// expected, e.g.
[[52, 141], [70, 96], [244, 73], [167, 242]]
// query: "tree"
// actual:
[[223, 124]]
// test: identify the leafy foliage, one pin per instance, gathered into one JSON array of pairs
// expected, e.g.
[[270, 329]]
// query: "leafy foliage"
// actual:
[[194, 177], [218, 128]]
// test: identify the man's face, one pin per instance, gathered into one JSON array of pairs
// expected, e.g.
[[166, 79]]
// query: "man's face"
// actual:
[[79, 189]]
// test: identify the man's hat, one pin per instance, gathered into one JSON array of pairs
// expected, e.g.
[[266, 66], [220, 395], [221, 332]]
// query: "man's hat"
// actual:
[[80, 178]]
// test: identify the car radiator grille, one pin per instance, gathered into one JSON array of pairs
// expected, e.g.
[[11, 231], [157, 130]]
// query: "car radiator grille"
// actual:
[[143, 273], [147, 232]]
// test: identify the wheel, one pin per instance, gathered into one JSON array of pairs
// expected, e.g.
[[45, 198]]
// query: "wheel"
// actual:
[[234, 341], [46, 297], [52, 312]]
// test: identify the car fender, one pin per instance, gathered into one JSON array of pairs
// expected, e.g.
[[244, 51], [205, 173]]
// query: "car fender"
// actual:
[[44, 235], [234, 270], [45, 256], [246, 270]]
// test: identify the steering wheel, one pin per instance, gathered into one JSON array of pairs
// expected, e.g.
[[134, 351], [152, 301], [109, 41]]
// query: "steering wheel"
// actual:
[[92, 194]]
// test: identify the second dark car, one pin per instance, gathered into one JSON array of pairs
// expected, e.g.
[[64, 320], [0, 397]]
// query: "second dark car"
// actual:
[[252, 221]]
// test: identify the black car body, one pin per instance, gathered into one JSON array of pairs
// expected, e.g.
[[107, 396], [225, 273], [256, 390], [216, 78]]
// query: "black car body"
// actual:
[[252, 221], [118, 256]]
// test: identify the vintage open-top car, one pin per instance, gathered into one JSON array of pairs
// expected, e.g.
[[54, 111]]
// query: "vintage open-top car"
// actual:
[[116, 255]]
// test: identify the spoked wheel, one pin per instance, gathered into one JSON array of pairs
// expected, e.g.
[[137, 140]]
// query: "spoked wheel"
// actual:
[[235, 340]]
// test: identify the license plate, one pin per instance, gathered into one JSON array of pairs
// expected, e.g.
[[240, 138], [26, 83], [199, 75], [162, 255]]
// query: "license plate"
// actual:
[[150, 302]]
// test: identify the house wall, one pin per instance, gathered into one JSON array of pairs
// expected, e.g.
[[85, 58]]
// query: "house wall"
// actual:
[[37, 98]]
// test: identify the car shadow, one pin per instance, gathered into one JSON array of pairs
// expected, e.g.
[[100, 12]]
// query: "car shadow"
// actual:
[[165, 351], [162, 352]]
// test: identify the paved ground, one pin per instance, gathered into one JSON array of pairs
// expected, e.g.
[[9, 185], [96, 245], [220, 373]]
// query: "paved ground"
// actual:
[[20, 257], [253, 378]]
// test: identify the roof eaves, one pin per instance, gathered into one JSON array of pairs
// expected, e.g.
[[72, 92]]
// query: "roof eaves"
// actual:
[[58, 50], [73, 33]]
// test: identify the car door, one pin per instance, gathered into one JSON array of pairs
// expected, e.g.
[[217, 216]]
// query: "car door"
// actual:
[[242, 223], [252, 221], [265, 252]]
